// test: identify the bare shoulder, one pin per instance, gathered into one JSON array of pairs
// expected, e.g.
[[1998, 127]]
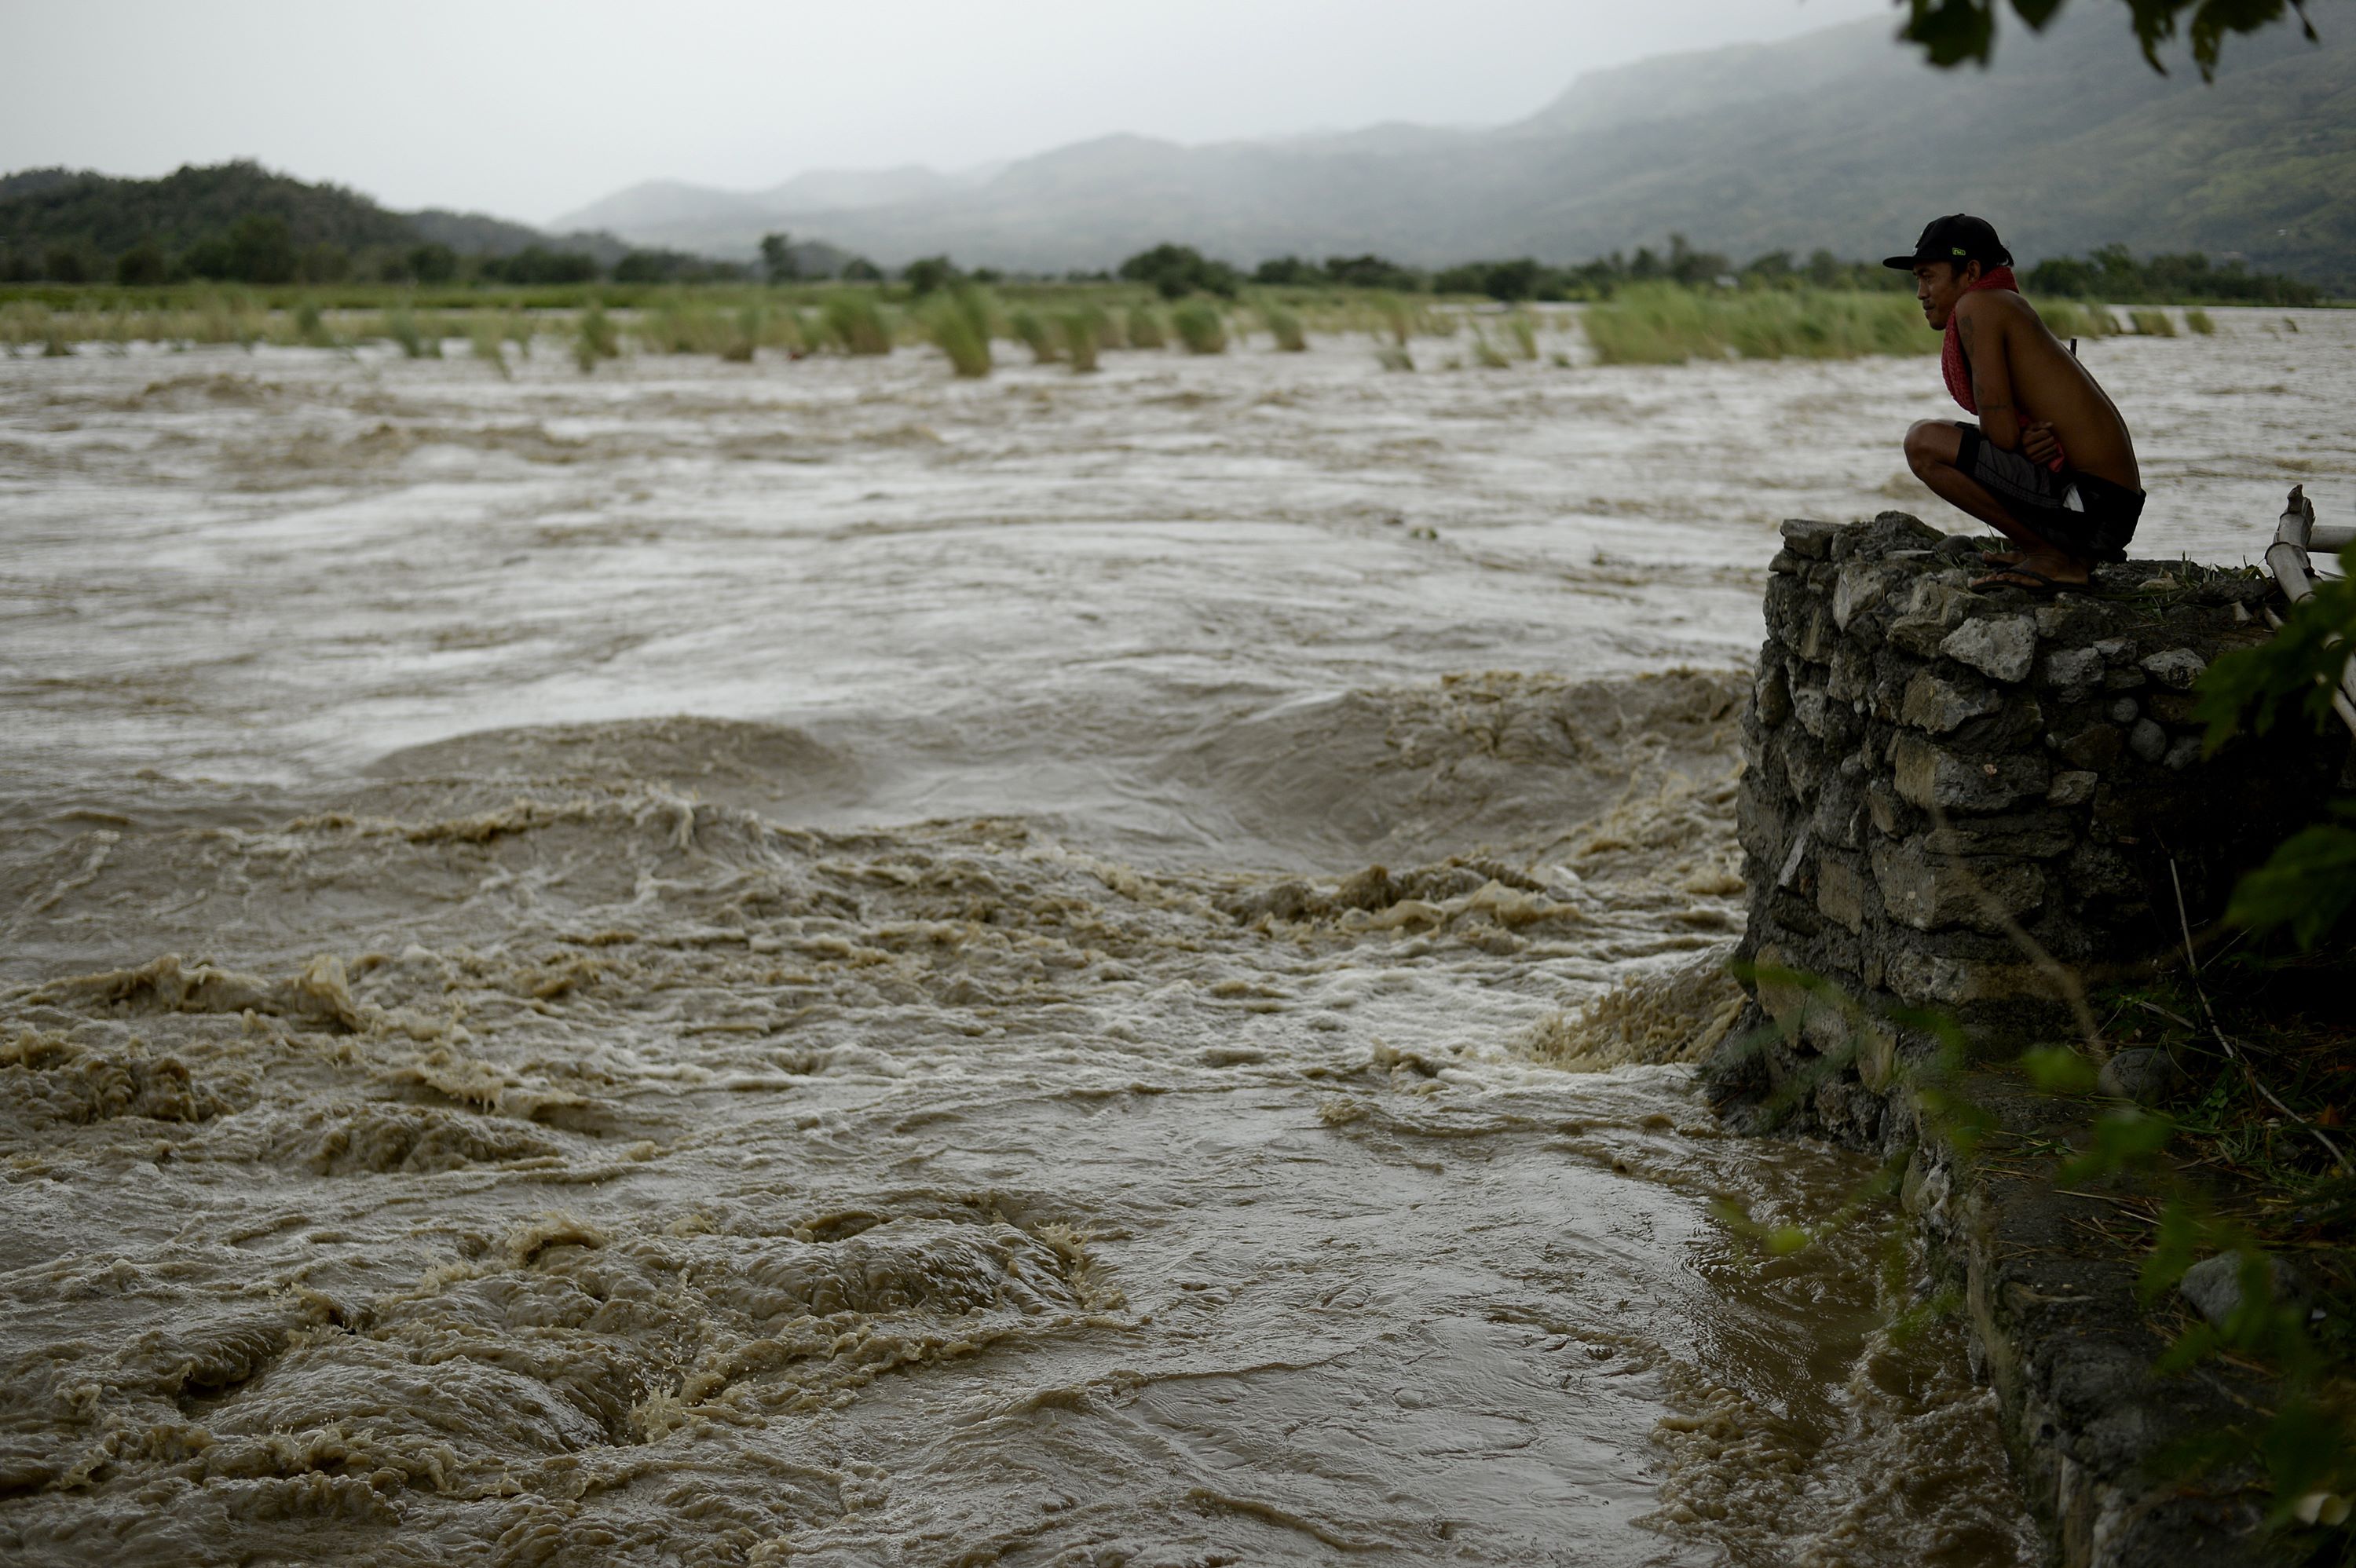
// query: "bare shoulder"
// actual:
[[1993, 309]]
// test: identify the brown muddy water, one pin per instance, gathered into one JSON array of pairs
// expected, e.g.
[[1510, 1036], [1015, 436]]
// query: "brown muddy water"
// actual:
[[747, 964]]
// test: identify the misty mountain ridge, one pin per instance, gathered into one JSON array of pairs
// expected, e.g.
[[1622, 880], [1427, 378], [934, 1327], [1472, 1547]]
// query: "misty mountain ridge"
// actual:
[[1841, 138]]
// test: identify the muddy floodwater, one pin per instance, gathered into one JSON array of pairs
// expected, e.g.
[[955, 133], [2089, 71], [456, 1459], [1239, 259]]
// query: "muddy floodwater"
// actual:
[[806, 962]]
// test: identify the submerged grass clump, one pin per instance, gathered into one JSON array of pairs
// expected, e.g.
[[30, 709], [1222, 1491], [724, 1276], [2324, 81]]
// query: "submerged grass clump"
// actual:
[[1033, 332], [2197, 320], [2069, 318], [959, 325], [858, 324], [416, 341], [1201, 327], [1145, 329], [2152, 323], [1081, 334], [1660, 324], [593, 338], [1285, 327]]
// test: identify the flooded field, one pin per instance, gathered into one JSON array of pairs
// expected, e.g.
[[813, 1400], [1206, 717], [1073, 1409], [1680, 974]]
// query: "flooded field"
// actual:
[[806, 962]]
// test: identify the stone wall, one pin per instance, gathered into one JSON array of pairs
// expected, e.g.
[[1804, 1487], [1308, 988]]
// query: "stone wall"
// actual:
[[1950, 794]]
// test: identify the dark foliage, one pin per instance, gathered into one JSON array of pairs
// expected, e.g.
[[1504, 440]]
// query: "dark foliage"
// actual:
[[860, 270], [2114, 275], [926, 273], [1954, 31], [778, 264], [538, 264], [1176, 270]]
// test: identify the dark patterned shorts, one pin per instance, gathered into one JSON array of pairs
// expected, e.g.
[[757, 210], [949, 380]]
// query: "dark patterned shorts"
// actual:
[[2078, 514]]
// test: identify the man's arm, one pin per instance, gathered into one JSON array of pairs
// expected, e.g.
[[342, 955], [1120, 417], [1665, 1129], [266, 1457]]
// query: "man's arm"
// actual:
[[1981, 327]]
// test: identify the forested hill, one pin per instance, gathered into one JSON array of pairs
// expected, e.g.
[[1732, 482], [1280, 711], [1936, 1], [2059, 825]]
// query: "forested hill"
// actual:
[[76, 226], [1842, 139]]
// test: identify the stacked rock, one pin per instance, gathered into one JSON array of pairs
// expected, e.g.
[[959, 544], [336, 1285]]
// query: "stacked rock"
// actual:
[[1966, 801]]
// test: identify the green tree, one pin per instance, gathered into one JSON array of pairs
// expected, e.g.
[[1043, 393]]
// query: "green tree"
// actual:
[[1954, 31], [433, 263], [778, 262], [926, 273], [142, 266], [860, 270], [261, 249], [1176, 270]]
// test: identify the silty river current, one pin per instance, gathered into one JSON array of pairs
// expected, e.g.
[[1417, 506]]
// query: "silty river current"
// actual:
[[805, 962]]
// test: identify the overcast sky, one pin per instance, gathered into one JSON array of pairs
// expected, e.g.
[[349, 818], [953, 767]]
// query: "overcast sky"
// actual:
[[529, 110]]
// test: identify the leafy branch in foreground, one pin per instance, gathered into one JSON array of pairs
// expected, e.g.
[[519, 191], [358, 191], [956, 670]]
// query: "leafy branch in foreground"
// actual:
[[2309, 884], [1954, 31]]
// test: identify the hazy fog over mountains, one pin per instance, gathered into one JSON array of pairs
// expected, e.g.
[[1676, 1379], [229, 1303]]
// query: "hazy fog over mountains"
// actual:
[[1839, 138]]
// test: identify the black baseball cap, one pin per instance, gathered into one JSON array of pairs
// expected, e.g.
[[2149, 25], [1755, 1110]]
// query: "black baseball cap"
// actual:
[[1956, 238]]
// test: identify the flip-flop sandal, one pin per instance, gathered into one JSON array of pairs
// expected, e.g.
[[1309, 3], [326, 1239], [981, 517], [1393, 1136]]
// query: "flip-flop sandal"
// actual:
[[2037, 586]]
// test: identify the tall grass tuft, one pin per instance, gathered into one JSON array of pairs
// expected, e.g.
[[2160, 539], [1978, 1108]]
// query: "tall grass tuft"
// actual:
[[487, 341], [1487, 355], [311, 327], [401, 325], [1145, 330], [1201, 327], [2069, 318], [1524, 334], [2152, 323], [2197, 320], [1661, 324], [1391, 356], [858, 324], [742, 342], [1027, 326], [1285, 327], [959, 325], [1081, 333], [595, 338]]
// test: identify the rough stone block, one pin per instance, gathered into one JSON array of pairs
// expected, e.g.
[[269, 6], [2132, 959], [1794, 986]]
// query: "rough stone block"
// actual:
[[1840, 892], [1859, 588], [2073, 788], [1774, 695], [1839, 817], [2176, 668], [1892, 816], [2124, 711], [1941, 706], [1783, 563], [2028, 835], [1852, 673], [2074, 674], [1931, 891], [2002, 648], [2171, 707], [2096, 747], [1928, 777], [1804, 536], [2148, 741], [1934, 980]]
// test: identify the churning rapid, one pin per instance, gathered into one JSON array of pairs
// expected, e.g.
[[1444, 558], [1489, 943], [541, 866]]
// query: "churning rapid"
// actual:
[[746, 964]]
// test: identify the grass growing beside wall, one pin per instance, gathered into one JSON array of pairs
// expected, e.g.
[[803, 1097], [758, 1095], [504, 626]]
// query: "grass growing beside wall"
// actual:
[[1660, 324]]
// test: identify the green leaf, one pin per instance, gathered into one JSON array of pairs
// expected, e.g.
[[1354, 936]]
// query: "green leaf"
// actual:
[[2058, 1070], [2307, 884], [1955, 31], [2123, 1140]]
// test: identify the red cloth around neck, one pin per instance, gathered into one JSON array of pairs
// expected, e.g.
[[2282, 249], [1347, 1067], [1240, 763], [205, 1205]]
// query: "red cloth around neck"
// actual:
[[1951, 352]]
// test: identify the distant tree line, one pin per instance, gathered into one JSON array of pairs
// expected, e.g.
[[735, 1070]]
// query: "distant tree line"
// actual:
[[2114, 275]]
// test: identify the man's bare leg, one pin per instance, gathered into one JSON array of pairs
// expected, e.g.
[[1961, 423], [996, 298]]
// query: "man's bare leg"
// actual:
[[1933, 447]]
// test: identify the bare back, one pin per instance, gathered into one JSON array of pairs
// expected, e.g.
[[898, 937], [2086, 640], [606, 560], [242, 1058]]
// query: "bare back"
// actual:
[[2010, 350]]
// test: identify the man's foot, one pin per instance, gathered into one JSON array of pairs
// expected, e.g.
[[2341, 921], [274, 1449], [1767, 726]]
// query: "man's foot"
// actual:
[[2029, 580]]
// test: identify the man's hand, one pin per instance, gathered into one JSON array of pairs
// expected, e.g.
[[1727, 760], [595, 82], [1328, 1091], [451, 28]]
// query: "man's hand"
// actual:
[[2038, 442]]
